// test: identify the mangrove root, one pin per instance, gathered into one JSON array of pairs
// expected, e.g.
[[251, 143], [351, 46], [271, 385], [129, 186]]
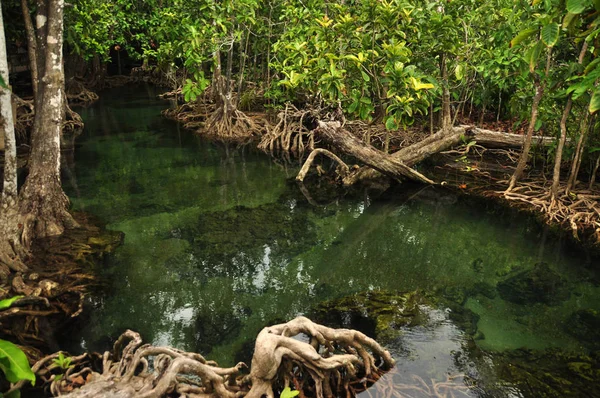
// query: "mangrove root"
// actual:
[[329, 363]]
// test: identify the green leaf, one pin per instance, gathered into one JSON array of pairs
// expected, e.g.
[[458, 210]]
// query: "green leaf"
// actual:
[[9, 301], [288, 393], [595, 101], [534, 55], [459, 72], [568, 19], [576, 6], [522, 36], [2, 82], [365, 76], [14, 364], [391, 124], [550, 34]]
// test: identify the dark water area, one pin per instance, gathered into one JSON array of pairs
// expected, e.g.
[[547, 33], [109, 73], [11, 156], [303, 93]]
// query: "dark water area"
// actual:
[[471, 299]]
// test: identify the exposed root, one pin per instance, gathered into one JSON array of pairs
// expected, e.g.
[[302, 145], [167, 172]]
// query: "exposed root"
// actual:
[[342, 171], [78, 94], [231, 124], [25, 116], [53, 282], [330, 363], [331, 359], [575, 211], [292, 135]]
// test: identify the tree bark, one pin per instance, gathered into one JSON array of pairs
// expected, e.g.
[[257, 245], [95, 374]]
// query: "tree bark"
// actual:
[[427, 147], [31, 47], [43, 202], [9, 192], [563, 133], [389, 165], [446, 113], [539, 92]]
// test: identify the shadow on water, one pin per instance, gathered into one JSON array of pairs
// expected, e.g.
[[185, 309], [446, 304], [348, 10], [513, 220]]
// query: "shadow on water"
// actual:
[[472, 299]]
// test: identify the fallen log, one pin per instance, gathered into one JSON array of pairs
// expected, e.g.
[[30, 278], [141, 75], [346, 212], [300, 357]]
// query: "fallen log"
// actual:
[[497, 139], [395, 165], [349, 144]]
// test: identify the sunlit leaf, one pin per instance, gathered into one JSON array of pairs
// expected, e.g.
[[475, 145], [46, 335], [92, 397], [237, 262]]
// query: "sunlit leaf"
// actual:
[[577, 6], [550, 34], [595, 101], [14, 363], [522, 36], [9, 301], [288, 393]]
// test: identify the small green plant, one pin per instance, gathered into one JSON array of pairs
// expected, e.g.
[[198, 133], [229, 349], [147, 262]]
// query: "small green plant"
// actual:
[[13, 361], [288, 393], [62, 362]]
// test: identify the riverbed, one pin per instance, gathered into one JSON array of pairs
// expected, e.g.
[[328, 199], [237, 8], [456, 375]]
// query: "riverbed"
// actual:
[[220, 242]]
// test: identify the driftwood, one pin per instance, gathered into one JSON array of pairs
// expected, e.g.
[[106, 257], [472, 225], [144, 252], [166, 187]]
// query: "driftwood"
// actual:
[[399, 164], [323, 365]]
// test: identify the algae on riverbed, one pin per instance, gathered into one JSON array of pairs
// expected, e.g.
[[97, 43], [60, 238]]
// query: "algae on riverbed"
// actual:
[[218, 244]]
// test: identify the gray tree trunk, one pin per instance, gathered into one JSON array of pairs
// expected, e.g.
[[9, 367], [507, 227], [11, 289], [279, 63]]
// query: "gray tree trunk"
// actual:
[[9, 192]]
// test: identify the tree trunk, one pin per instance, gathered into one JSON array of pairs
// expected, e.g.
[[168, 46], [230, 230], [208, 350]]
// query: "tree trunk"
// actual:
[[394, 166], [9, 192], [584, 126], [441, 141], [563, 133], [539, 92], [446, 113], [42, 207], [31, 46], [43, 202]]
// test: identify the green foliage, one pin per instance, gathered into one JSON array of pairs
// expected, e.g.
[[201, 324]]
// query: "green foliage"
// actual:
[[6, 303], [14, 363], [62, 362], [288, 393], [376, 59]]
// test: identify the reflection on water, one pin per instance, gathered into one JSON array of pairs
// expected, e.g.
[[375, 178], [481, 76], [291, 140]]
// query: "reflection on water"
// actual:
[[218, 244]]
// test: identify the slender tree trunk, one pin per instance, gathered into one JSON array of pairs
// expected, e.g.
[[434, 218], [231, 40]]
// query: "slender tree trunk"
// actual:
[[593, 177], [539, 92], [563, 134], [41, 25], [9, 192], [243, 56], [31, 46], [446, 113], [583, 129]]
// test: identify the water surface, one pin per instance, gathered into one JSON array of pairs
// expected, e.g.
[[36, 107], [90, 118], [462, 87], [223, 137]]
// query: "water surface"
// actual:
[[219, 242]]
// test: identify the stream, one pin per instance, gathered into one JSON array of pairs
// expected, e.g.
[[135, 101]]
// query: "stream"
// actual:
[[472, 299]]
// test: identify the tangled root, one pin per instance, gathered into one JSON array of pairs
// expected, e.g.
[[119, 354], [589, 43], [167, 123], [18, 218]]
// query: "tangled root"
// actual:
[[231, 124], [292, 135], [576, 212], [330, 362], [78, 94], [323, 366]]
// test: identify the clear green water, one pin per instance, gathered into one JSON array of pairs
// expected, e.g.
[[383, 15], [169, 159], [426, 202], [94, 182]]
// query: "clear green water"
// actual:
[[219, 243]]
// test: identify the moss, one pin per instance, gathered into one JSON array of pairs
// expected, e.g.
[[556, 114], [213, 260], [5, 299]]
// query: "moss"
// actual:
[[585, 326], [550, 373], [541, 284], [379, 313]]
